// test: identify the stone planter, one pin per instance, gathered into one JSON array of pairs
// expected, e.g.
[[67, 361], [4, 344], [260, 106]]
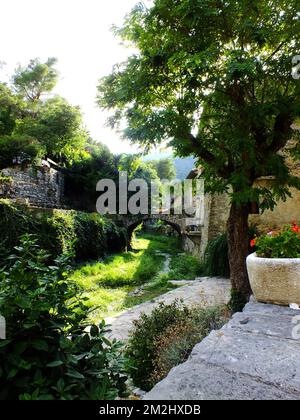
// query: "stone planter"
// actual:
[[274, 280]]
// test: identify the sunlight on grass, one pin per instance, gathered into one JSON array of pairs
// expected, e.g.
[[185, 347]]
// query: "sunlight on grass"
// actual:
[[108, 284]]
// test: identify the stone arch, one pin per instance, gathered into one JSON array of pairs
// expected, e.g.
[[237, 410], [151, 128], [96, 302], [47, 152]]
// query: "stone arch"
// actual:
[[134, 224]]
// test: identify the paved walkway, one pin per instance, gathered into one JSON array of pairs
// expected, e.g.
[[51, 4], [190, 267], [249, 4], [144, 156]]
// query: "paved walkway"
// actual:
[[203, 291], [253, 357]]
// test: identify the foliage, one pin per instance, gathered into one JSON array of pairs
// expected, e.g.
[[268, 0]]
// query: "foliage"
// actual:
[[226, 96], [216, 257], [82, 176], [165, 168], [36, 79], [237, 301], [48, 354], [10, 107], [185, 267], [57, 125], [280, 244], [176, 343], [27, 112], [121, 281], [136, 168], [19, 150], [88, 236], [141, 347], [164, 338]]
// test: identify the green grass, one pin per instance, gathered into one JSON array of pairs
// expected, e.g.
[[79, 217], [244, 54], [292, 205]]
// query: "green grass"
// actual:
[[185, 267], [108, 284]]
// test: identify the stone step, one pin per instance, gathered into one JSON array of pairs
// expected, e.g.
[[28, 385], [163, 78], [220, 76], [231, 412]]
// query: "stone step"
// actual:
[[252, 357]]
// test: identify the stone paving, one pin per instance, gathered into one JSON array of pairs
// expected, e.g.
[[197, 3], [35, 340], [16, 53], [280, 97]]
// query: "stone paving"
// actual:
[[203, 291], [253, 357]]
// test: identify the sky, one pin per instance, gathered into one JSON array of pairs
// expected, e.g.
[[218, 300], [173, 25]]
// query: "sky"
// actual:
[[78, 33]]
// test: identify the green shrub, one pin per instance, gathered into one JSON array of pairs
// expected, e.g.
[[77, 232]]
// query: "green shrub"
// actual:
[[185, 267], [141, 348], [88, 235], [14, 222], [21, 149], [164, 338], [48, 353], [216, 257], [58, 233], [176, 343]]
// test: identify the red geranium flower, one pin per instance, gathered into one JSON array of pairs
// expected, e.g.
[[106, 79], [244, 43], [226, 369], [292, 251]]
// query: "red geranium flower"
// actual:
[[295, 228], [252, 243]]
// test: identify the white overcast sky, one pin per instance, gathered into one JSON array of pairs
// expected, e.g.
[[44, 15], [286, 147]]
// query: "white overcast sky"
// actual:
[[77, 33]]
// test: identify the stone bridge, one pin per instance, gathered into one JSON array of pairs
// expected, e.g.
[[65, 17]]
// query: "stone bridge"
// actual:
[[189, 229]]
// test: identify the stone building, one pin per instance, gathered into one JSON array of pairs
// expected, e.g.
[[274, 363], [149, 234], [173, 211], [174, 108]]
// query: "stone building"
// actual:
[[217, 208], [37, 186]]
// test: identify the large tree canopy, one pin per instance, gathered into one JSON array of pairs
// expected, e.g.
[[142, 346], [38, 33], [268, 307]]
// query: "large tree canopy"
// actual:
[[28, 112], [35, 79], [214, 79], [57, 125]]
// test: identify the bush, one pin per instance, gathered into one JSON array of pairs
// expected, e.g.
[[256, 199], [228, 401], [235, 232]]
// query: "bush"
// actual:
[[176, 343], [164, 338], [19, 149], [281, 244], [88, 235], [48, 354], [216, 257], [141, 348], [185, 267]]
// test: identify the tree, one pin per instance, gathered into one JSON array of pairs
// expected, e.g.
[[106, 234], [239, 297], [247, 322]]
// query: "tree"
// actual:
[[213, 78], [35, 79], [165, 168], [58, 126], [82, 176], [19, 150], [10, 110], [27, 112]]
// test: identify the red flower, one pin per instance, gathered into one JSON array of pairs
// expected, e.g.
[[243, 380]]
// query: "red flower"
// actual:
[[252, 243], [295, 228]]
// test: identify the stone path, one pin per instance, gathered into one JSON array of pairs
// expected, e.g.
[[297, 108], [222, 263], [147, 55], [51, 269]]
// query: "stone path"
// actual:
[[203, 291], [253, 357]]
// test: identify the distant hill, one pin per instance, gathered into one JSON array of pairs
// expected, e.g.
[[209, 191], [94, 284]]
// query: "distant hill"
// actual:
[[183, 165]]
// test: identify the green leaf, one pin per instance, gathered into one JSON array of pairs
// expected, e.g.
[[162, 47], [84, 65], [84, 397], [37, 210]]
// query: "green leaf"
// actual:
[[40, 345], [12, 373], [56, 363], [74, 374]]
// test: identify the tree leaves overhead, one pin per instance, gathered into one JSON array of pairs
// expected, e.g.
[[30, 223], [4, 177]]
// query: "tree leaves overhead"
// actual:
[[213, 78]]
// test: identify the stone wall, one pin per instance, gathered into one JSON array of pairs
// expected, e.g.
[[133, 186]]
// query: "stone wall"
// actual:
[[37, 186], [217, 208]]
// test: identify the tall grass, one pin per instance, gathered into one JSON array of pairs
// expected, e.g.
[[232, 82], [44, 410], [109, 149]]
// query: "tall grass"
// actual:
[[216, 257], [108, 284]]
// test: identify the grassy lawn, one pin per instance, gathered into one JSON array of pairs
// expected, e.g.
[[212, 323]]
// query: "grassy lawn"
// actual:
[[108, 285]]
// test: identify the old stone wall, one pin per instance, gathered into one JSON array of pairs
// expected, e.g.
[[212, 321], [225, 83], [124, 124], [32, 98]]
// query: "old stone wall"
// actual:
[[38, 186]]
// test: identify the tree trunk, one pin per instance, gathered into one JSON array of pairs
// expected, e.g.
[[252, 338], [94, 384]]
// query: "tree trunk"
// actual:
[[238, 244]]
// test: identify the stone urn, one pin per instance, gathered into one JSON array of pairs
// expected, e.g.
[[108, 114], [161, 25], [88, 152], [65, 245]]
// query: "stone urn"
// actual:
[[274, 280]]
